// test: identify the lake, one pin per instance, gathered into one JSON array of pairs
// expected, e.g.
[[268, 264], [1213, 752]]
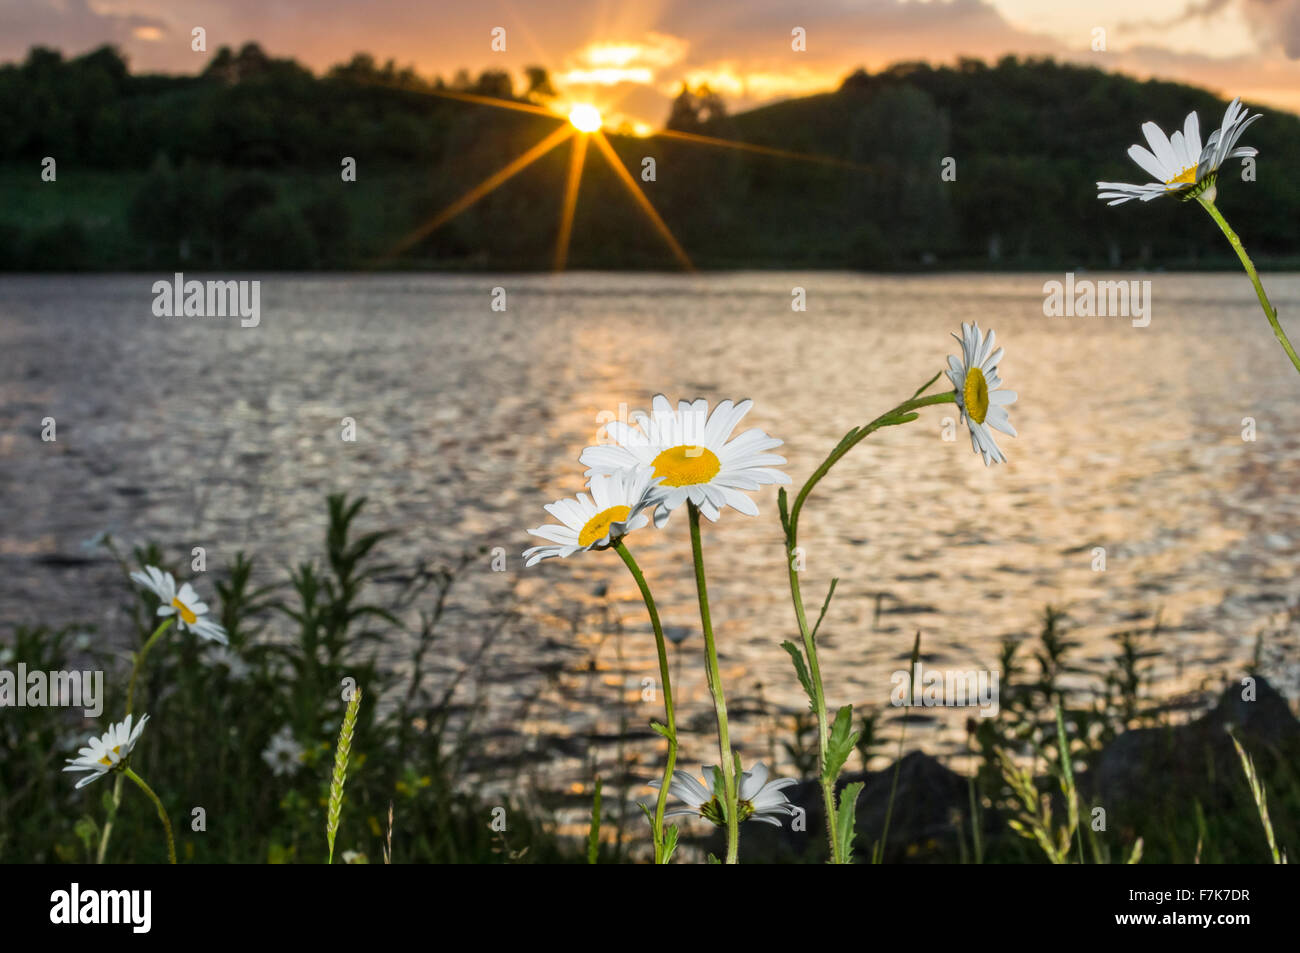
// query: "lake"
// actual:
[[198, 432]]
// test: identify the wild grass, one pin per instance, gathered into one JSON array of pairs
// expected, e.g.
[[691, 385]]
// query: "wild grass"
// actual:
[[209, 724], [411, 796]]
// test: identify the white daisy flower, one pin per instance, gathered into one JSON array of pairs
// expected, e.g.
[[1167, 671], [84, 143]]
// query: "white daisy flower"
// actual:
[[237, 668], [692, 455], [983, 405], [190, 612], [760, 799], [283, 754], [1179, 162], [107, 752], [612, 511]]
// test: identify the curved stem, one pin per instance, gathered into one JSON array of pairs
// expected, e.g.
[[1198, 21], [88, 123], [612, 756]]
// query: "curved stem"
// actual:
[[899, 415], [162, 814], [139, 660], [1270, 312], [136, 666], [726, 767], [669, 712]]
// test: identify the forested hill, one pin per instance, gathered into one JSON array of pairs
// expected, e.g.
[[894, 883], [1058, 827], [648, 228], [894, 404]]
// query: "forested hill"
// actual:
[[239, 168]]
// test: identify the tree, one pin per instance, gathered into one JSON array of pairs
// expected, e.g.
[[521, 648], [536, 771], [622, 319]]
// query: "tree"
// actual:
[[696, 110], [495, 83], [539, 82]]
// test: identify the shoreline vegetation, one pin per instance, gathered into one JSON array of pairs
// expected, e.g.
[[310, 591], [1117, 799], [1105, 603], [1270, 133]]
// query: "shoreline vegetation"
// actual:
[[247, 733], [238, 168]]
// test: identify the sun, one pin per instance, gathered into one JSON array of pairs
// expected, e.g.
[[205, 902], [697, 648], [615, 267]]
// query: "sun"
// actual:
[[585, 118], [583, 128]]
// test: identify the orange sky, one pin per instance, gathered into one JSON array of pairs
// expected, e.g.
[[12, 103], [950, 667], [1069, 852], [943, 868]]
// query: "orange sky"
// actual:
[[635, 53]]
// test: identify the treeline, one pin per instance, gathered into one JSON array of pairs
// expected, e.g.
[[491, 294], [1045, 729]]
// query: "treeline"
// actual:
[[239, 167]]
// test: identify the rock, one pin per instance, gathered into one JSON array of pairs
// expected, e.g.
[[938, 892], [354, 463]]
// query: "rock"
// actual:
[[1166, 768]]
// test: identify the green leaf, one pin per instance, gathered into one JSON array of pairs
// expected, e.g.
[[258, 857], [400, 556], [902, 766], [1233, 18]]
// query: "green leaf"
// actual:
[[825, 605], [593, 836], [842, 740], [784, 510], [801, 670], [1135, 857], [663, 730], [926, 386], [846, 440], [719, 790], [846, 818], [87, 831], [670, 842], [901, 419]]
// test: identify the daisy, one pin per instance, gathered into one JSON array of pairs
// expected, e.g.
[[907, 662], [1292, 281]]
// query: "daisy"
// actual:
[[237, 668], [1179, 162], [108, 752], [185, 604], [612, 511], [760, 799], [692, 455], [983, 405], [283, 754]]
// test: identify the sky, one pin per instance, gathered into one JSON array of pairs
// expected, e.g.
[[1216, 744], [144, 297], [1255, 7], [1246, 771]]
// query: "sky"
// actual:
[[631, 56]]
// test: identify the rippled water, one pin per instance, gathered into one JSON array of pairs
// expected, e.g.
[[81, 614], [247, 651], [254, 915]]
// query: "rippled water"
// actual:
[[197, 432]]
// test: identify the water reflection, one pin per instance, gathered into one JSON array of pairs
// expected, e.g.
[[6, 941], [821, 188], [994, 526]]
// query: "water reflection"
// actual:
[[196, 432]]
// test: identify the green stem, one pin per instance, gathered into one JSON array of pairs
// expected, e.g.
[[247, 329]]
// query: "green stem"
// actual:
[[1270, 312], [899, 415], [139, 660], [669, 712], [819, 701], [162, 814], [136, 666], [726, 766]]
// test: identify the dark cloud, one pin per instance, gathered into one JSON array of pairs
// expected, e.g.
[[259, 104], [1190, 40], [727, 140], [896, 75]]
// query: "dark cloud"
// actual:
[[1276, 22], [70, 25], [851, 31], [1192, 12]]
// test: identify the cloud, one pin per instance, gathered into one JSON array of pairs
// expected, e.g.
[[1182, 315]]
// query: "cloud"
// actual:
[[69, 25], [852, 33], [743, 50], [639, 53], [1274, 23], [611, 62], [1203, 10], [1277, 23]]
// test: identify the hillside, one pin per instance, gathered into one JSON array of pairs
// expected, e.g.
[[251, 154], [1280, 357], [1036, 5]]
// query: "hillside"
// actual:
[[239, 168]]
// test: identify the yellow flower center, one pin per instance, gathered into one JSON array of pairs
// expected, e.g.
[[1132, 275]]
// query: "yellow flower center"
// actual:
[[1186, 177], [189, 617], [975, 395], [686, 466], [598, 525], [106, 761]]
